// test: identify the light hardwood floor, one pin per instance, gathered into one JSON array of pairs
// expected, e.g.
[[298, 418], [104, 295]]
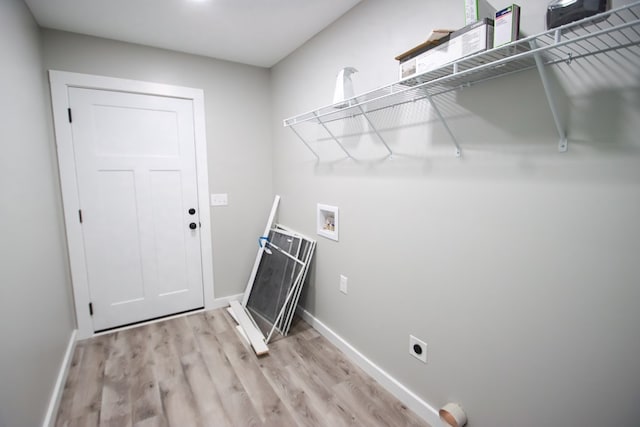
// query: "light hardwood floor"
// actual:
[[197, 371]]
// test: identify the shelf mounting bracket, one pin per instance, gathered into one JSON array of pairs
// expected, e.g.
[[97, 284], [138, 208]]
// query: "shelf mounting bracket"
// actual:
[[333, 136], [375, 130], [305, 143], [563, 144], [445, 124]]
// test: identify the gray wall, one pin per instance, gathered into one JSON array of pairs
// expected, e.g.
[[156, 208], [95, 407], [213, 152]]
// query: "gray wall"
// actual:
[[238, 133], [36, 317], [518, 265]]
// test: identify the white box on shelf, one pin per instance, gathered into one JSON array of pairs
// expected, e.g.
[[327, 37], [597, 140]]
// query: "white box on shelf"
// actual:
[[474, 38], [475, 10], [328, 222], [435, 58], [471, 11], [507, 25], [408, 59]]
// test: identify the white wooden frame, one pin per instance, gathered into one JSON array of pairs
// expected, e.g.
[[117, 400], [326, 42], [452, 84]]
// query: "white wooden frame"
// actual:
[[60, 82], [270, 222]]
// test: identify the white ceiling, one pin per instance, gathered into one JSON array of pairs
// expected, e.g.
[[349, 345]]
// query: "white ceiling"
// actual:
[[255, 32]]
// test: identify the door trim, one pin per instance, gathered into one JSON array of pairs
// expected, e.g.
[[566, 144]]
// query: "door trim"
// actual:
[[60, 82]]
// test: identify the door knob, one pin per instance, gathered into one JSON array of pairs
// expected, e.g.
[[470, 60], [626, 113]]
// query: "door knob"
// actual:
[[193, 226], [192, 211]]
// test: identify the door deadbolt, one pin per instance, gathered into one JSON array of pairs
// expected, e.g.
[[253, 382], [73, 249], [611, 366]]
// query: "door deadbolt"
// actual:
[[193, 226], [192, 211]]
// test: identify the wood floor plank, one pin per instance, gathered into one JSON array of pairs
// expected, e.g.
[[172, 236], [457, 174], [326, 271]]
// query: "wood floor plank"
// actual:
[[156, 421], [64, 410], [331, 356], [179, 403], [177, 400], [182, 337], [283, 354], [197, 371], [204, 334], [87, 396], [89, 419], [361, 391], [384, 400], [244, 362], [145, 394], [294, 398], [318, 362], [321, 396], [235, 400], [360, 406], [218, 320], [204, 392], [115, 408], [312, 378], [302, 329]]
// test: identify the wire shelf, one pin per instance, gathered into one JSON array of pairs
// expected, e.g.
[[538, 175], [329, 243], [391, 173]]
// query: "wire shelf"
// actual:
[[614, 30]]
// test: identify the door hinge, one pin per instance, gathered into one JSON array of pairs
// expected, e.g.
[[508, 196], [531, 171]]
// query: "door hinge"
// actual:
[[80, 215], [91, 309], [69, 112]]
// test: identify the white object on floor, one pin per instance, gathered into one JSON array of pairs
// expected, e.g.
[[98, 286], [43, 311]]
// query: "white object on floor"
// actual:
[[253, 333], [453, 415]]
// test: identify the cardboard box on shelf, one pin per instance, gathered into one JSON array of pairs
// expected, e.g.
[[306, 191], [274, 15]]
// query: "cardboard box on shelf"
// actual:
[[466, 41], [409, 59], [435, 38]]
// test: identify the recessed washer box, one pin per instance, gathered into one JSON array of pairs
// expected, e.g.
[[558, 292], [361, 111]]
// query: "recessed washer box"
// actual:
[[328, 221]]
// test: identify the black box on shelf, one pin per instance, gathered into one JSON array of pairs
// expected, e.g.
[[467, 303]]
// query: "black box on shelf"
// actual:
[[563, 12]]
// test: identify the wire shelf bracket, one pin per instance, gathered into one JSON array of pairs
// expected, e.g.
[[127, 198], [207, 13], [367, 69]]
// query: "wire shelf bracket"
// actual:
[[563, 144], [323, 124], [445, 124], [375, 130], [305, 143]]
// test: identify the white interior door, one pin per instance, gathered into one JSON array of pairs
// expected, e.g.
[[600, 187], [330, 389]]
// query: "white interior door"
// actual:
[[137, 188]]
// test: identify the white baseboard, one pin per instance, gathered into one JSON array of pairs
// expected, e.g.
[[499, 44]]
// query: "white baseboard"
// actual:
[[224, 301], [54, 402], [393, 386]]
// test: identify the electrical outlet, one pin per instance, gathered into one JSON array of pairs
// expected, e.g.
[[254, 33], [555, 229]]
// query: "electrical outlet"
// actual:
[[418, 349], [343, 284], [220, 199]]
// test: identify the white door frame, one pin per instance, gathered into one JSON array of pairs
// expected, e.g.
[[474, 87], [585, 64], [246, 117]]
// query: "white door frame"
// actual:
[[60, 82]]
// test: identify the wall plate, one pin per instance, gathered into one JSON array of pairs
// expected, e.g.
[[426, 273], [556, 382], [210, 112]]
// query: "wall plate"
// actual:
[[418, 349], [220, 199], [328, 221]]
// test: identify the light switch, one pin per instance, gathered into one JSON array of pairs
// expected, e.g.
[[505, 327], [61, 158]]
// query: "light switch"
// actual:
[[219, 199]]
